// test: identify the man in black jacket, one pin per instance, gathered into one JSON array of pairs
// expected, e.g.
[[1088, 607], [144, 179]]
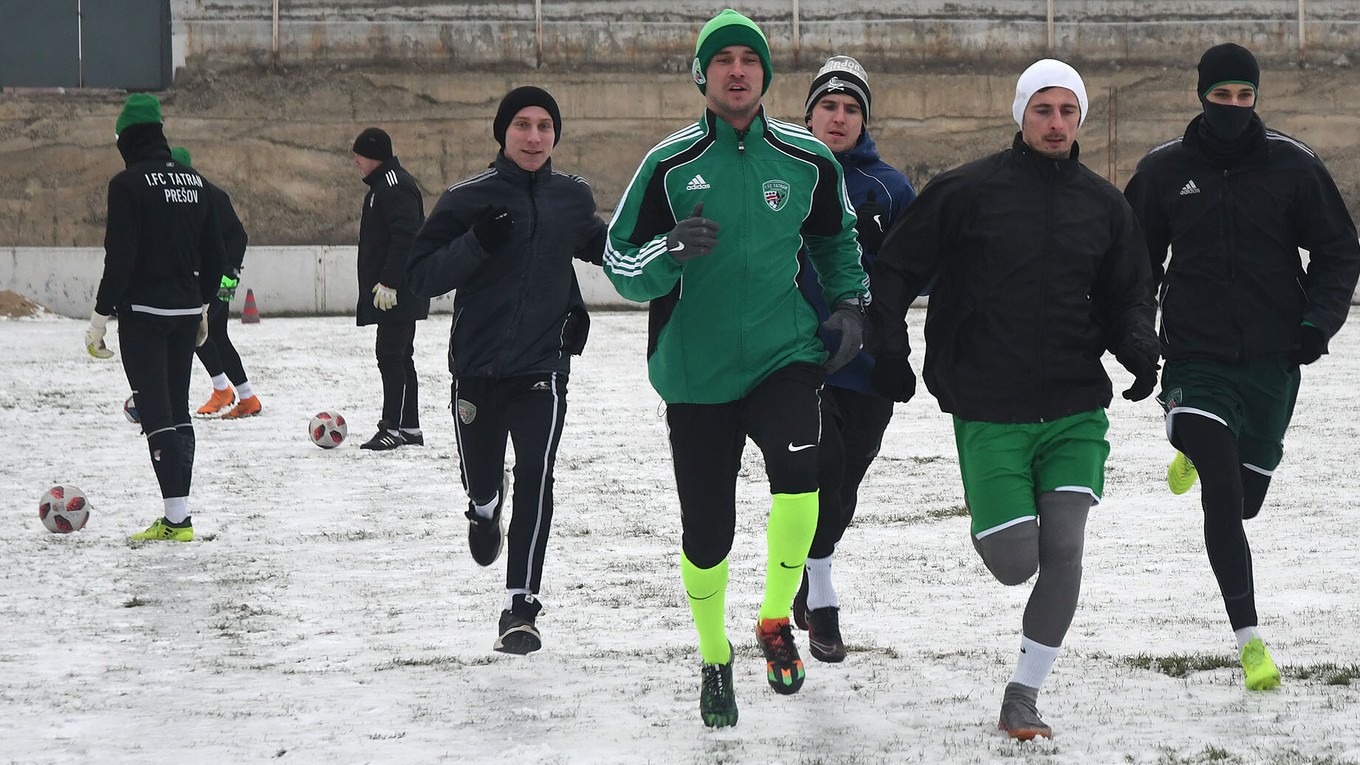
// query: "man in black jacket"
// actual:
[[218, 354], [505, 239], [1234, 201], [393, 212], [163, 260], [1040, 269]]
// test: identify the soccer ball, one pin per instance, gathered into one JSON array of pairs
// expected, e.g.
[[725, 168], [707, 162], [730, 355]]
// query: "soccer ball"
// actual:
[[328, 429], [63, 509], [130, 410]]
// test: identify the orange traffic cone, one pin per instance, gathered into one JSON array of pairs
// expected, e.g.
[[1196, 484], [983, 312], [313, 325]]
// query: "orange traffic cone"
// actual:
[[250, 314]]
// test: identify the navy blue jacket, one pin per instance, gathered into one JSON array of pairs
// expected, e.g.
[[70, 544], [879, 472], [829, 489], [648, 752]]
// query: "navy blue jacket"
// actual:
[[865, 173]]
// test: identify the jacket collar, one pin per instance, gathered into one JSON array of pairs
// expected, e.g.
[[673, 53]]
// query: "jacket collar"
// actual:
[[723, 132], [863, 153], [1252, 147], [138, 143], [390, 163], [1029, 156], [507, 168]]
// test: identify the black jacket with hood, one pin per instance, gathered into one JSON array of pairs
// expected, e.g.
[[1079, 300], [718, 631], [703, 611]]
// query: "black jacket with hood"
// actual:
[[1236, 287], [163, 253], [1041, 269], [518, 310]]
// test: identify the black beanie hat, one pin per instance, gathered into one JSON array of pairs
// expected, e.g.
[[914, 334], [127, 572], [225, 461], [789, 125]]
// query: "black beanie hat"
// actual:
[[374, 143], [520, 98], [1228, 62]]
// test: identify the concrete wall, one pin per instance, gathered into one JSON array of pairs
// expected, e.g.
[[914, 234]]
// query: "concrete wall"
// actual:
[[285, 280], [660, 33]]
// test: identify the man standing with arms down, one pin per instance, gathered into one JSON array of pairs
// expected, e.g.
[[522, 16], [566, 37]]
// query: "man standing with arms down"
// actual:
[[393, 212], [1040, 269], [709, 231], [1234, 201], [163, 259]]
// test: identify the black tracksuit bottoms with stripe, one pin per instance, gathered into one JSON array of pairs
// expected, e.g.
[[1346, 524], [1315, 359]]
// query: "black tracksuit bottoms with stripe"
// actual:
[[529, 410], [158, 357]]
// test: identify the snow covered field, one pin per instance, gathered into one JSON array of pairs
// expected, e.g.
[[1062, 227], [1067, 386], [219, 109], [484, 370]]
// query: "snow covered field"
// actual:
[[329, 611]]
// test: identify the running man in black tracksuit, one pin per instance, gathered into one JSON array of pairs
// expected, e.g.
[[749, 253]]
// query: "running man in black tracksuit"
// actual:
[[217, 354], [1234, 201], [163, 260], [505, 239], [1040, 270], [393, 212]]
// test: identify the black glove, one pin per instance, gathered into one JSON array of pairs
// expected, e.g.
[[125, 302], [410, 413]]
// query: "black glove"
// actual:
[[869, 227], [1140, 357], [847, 321], [892, 378], [692, 237], [492, 227], [1311, 345]]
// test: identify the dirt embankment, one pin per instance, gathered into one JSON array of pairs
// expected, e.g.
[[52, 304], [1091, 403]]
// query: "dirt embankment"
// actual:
[[279, 141]]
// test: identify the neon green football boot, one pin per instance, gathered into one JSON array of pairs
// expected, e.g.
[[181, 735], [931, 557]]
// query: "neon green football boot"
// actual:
[[1181, 474], [162, 531], [1259, 667]]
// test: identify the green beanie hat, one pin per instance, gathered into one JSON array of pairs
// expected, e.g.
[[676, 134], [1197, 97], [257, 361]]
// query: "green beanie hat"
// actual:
[[182, 156], [138, 109], [729, 28]]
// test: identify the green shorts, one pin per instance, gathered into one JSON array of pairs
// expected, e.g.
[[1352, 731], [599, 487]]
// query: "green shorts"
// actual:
[[1006, 467], [1254, 399]]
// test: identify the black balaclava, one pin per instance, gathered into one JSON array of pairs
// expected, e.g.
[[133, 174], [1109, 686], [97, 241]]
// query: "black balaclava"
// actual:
[[1227, 63]]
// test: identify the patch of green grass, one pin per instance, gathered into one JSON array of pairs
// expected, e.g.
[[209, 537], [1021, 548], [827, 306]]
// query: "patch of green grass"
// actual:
[[1329, 674], [1181, 665], [135, 602], [433, 661], [940, 513]]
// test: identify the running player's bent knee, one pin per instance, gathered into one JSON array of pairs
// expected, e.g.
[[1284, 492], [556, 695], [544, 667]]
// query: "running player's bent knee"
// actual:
[[1012, 554]]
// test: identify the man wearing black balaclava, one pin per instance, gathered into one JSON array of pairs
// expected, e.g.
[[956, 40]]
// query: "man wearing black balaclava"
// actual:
[[1241, 313]]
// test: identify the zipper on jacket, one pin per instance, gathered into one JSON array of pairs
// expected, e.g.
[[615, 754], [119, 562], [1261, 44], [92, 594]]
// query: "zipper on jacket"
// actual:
[[741, 140]]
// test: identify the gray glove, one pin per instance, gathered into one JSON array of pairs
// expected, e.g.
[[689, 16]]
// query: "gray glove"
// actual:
[[848, 321], [692, 237]]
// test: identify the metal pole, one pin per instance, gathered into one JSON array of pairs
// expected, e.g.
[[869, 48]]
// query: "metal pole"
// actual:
[[1302, 36], [1112, 134], [80, 44], [1052, 36], [538, 34], [795, 32], [276, 30]]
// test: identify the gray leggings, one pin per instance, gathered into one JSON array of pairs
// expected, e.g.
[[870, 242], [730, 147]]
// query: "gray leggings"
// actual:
[[1053, 547]]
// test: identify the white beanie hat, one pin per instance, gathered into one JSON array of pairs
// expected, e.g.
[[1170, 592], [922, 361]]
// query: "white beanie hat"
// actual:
[[1047, 73]]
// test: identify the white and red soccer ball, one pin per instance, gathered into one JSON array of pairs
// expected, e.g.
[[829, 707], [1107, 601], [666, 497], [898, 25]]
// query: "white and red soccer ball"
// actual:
[[64, 509], [328, 429]]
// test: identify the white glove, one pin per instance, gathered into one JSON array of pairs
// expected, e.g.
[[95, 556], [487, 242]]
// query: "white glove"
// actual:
[[94, 336], [384, 297], [202, 336]]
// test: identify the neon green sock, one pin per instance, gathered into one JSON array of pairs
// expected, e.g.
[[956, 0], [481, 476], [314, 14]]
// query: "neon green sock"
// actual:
[[793, 520], [707, 591]]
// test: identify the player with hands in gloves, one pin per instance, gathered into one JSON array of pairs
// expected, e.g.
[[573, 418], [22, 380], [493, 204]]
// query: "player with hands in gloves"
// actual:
[[393, 212], [163, 260], [734, 350], [505, 241], [1039, 269]]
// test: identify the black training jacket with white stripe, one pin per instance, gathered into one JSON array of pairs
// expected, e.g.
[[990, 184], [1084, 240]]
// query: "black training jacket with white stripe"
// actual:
[[394, 210], [163, 252], [518, 309], [1236, 287]]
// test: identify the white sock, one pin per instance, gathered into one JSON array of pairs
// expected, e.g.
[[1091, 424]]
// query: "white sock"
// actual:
[[220, 382], [821, 593], [412, 431], [1245, 635], [489, 509], [1036, 659], [245, 390], [176, 509]]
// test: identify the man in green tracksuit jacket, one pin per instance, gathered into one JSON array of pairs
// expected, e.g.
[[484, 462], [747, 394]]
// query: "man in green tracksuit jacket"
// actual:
[[709, 231]]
